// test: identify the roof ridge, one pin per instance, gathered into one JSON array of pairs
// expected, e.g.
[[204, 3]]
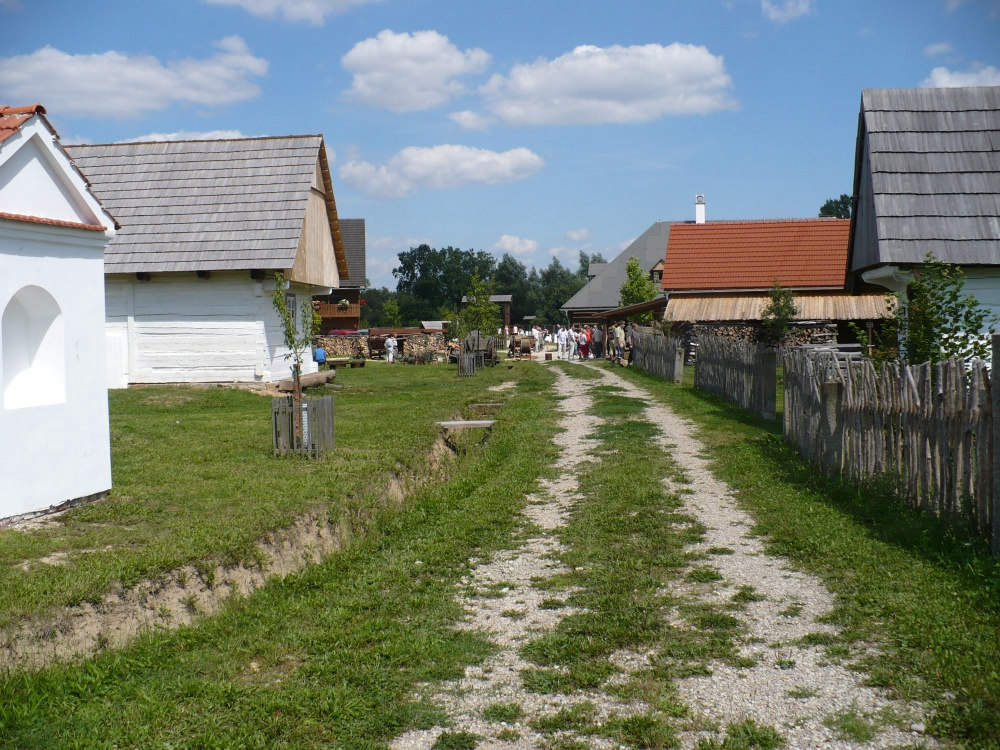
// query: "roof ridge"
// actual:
[[200, 140]]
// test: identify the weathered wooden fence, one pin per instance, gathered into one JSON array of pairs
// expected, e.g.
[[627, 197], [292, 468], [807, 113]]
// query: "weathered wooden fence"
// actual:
[[318, 427], [659, 355], [741, 372], [933, 432]]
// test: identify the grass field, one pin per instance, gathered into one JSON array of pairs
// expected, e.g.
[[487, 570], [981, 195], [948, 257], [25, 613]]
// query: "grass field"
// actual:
[[330, 656]]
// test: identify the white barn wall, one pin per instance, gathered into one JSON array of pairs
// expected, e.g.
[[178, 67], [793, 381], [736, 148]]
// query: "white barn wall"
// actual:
[[59, 450], [984, 285], [177, 328]]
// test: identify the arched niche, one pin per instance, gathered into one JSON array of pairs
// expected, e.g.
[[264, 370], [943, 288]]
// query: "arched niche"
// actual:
[[33, 350]]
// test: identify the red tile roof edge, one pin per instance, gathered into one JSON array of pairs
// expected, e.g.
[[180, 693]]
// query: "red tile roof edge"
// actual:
[[31, 109], [52, 222]]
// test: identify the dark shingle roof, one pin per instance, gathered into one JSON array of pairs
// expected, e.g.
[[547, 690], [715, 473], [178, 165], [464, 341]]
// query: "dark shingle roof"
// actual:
[[927, 176], [353, 233], [204, 205], [603, 291]]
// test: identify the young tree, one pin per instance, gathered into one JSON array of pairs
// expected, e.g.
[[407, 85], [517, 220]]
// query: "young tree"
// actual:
[[940, 320], [777, 317], [839, 208], [937, 320], [636, 288], [298, 338], [479, 314], [390, 313]]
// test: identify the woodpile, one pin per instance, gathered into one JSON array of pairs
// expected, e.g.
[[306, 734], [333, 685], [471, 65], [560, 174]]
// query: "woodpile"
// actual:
[[409, 345]]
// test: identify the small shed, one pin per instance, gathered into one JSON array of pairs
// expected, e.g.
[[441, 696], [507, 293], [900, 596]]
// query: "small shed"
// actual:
[[54, 434]]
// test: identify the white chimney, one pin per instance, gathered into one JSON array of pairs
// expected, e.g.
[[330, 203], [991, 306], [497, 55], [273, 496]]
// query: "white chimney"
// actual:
[[699, 209]]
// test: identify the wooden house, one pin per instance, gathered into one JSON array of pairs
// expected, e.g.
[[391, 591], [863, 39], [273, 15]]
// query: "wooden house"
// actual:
[[335, 314], [927, 180], [54, 435], [205, 227], [720, 272], [603, 291]]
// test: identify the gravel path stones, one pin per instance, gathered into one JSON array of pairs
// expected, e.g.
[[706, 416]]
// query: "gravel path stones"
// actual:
[[793, 685]]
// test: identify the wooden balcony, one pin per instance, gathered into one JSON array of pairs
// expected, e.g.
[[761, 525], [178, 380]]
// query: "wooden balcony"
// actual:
[[333, 310]]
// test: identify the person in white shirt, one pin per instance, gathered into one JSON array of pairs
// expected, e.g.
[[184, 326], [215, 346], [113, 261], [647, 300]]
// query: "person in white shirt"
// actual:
[[562, 343], [390, 349]]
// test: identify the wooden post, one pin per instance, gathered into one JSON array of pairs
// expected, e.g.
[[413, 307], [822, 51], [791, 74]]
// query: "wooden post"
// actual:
[[678, 363], [995, 414], [832, 426], [767, 371]]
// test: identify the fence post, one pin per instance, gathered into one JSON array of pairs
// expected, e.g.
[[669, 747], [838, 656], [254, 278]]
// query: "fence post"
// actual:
[[995, 414], [767, 372], [832, 426], [678, 363]]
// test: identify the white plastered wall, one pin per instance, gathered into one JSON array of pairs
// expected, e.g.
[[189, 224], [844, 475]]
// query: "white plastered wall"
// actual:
[[54, 434]]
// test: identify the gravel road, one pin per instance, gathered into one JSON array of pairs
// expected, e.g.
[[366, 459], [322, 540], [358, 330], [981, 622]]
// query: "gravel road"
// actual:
[[796, 689]]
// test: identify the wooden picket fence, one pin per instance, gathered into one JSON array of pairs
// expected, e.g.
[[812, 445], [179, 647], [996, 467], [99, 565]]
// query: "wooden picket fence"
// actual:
[[930, 431], [318, 427], [741, 372], [659, 355]]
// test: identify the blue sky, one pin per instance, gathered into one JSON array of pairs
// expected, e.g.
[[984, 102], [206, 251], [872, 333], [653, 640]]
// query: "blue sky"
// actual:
[[535, 127]]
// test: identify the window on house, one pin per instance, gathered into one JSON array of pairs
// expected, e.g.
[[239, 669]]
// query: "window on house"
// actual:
[[33, 350]]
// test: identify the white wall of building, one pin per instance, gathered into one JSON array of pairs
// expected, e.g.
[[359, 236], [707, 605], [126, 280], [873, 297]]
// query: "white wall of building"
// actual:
[[984, 285], [178, 328], [54, 434]]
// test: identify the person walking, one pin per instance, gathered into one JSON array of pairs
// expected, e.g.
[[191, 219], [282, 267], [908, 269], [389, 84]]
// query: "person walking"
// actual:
[[619, 342], [597, 341], [562, 345], [390, 349], [630, 340]]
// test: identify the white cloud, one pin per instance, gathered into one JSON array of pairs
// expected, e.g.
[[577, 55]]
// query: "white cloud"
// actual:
[[188, 135], [410, 72], [114, 84], [312, 11], [467, 120], [439, 167], [783, 12], [578, 235], [977, 76], [612, 85], [508, 243], [937, 49]]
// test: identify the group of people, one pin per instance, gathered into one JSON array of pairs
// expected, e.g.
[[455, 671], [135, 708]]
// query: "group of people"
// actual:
[[591, 342]]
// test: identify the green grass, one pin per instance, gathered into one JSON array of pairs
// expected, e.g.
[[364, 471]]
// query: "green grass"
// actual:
[[327, 657], [850, 726], [195, 481], [506, 713], [746, 735], [925, 592]]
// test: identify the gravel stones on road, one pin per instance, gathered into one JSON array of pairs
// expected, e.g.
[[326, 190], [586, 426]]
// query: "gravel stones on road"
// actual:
[[787, 679]]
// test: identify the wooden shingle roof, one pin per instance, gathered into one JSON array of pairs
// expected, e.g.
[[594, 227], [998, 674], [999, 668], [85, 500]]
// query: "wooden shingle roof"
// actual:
[[927, 176], [747, 255], [604, 290], [353, 233], [208, 205]]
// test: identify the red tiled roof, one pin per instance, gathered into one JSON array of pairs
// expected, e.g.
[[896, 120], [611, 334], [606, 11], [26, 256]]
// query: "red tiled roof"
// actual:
[[730, 255], [12, 118], [51, 222]]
